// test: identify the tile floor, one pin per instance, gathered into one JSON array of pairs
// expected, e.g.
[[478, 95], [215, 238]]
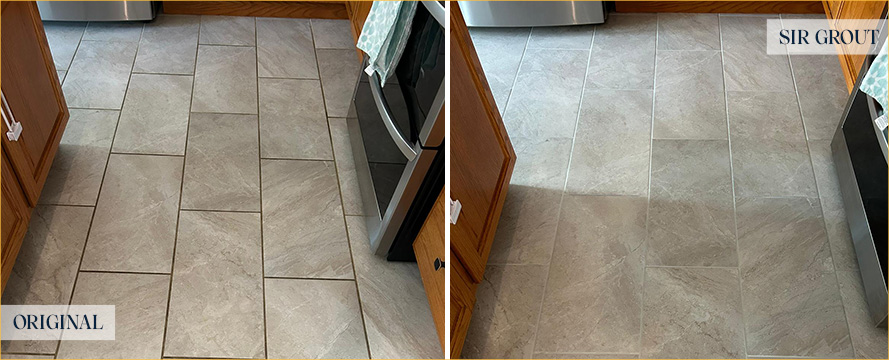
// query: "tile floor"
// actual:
[[674, 196], [205, 186]]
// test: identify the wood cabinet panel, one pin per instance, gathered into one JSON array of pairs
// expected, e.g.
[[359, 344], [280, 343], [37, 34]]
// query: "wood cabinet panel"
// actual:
[[429, 247], [358, 11], [869, 13], [15, 217], [482, 157], [31, 87], [462, 303]]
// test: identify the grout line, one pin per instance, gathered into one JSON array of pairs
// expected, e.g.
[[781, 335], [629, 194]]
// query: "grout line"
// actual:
[[292, 78], [222, 211], [820, 203], [734, 194], [147, 154], [690, 267], [104, 173], [69, 205], [265, 326], [305, 278], [298, 159], [159, 73], [515, 77], [123, 272], [340, 191]]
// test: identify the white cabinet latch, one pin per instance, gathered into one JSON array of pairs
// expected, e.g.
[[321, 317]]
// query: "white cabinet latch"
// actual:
[[15, 127], [455, 210]]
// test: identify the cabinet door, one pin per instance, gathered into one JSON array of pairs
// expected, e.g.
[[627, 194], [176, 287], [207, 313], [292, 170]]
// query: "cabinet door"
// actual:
[[429, 247], [867, 15], [34, 96], [482, 158], [462, 302], [358, 11], [15, 216]]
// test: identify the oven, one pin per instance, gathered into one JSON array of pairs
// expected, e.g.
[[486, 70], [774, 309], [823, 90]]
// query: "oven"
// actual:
[[396, 127]]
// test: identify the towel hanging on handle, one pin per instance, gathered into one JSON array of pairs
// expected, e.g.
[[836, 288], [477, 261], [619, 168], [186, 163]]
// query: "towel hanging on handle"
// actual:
[[875, 83], [385, 34]]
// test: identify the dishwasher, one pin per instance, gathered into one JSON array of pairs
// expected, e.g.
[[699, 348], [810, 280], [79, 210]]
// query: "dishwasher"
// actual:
[[97, 10]]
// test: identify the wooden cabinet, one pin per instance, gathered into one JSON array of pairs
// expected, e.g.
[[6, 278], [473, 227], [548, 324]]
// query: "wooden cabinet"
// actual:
[[869, 13], [429, 247], [33, 98], [482, 160], [358, 11]]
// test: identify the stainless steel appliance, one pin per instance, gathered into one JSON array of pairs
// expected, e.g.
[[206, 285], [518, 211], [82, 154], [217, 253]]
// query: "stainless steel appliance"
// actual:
[[532, 13], [97, 10], [860, 155], [397, 136]]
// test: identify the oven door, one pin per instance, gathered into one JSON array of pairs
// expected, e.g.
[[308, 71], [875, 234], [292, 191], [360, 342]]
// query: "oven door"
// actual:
[[396, 132]]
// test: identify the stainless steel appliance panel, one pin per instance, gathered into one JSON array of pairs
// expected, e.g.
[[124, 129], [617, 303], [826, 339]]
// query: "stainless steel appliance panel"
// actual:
[[532, 13], [97, 10]]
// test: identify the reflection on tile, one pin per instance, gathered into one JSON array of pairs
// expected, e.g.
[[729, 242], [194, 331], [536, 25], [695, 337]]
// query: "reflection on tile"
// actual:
[[113, 31], [339, 74], [63, 38], [135, 223], [611, 147], [822, 93], [527, 227], [691, 211], [690, 97], [61, 74], [396, 312], [46, 265], [154, 118], [212, 249], [222, 163], [692, 313], [333, 34], [285, 48], [754, 71], [500, 52], [345, 167], [584, 356], [841, 248], [688, 31], [225, 80], [293, 129], [783, 245], [561, 37], [169, 45], [593, 295], [140, 302], [623, 53], [506, 309], [79, 164], [547, 94], [99, 74], [303, 228], [332, 309], [868, 339], [227, 30]]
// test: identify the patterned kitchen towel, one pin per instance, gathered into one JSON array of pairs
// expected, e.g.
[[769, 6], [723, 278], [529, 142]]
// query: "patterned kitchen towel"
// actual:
[[876, 82], [385, 34]]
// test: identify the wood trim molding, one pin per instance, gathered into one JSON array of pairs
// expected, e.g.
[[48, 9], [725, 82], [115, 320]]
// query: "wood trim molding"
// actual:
[[757, 7], [282, 9]]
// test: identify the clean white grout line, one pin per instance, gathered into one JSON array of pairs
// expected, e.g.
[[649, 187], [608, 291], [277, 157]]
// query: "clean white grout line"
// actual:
[[657, 36]]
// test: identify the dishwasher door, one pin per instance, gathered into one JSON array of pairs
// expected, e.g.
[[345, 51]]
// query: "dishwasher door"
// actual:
[[97, 10]]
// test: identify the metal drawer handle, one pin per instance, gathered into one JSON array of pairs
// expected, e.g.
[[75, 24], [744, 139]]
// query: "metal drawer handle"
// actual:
[[15, 127], [403, 144], [439, 264]]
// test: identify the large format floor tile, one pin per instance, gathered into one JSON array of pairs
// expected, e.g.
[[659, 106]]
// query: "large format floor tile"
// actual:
[[309, 319], [225, 80], [688, 31], [398, 321], [339, 72], [345, 167], [113, 31], [584, 356], [333, 34], [547, 94], [140, 302], [623, 53], [500, 52], [217, 248], [611, 148], [46, 266], [561, 37], [691, 210], [222, 163], [99, 74], [841, 248], [169, 45], [769, 150], [135, 223], [293, 129], [154, 119], [822, 93], [304, 233], [285, 48], [79, 164], [228, 30], [692, 313], [868, 339], [783, 245], [593, 295], [689, 97], [63, 38], [507, 307]]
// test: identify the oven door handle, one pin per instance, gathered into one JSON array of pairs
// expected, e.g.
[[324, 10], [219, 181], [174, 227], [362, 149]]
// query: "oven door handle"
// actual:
[[436, 10], [403, 144]]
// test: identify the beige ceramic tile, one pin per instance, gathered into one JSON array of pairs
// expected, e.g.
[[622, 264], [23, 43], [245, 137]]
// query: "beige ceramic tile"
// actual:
[[169, 45], [293, 129], [841, 248], [584, 356], [345, 167], [577, 37], [113, 31], [285, 48], [99, 74], [333, 34], [225, 80], [689, 98], [500, 52], [688, 31], [63, 38], [228, 30], [869, 340], [339, 74], [154, 119], [623, 53]]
